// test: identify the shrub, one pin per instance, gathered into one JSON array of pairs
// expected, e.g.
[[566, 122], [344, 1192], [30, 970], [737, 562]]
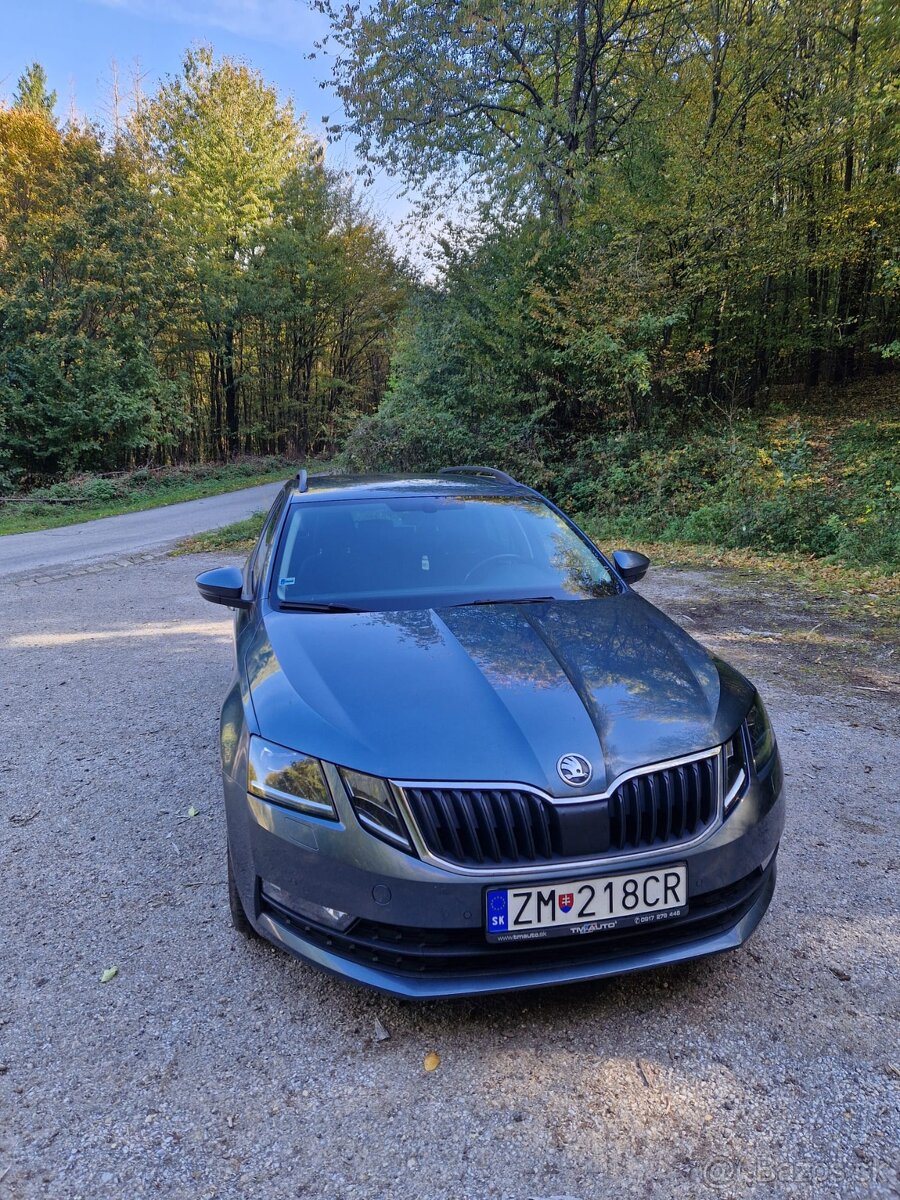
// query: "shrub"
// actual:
[[760, 481]]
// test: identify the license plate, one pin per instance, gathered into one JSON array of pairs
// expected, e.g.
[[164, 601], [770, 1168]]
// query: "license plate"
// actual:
[[587, 905]]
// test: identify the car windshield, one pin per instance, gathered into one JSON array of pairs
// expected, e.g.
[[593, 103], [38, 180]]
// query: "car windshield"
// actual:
[[431, 551]]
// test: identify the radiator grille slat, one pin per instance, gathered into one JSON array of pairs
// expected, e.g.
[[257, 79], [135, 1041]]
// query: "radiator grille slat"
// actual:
[[482, 807], [467, 821], [693, 802], [653, 784], [513, 827]]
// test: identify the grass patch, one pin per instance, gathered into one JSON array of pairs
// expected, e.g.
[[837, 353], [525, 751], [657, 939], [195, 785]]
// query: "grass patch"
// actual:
[[826, 578], [239, 538], [89, 497], [858, 592]]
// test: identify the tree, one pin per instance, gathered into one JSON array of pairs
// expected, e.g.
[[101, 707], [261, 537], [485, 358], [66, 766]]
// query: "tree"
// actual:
[[31, 92], [218, 147], [267, 251], [725, 174], [519, 100], [79, 302], [31, 150], [201, 287]]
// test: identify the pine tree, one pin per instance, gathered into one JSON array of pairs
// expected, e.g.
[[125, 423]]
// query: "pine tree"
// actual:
[[31, 92]]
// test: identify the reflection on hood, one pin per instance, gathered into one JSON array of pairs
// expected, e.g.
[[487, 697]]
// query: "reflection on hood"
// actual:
[[492, 693]]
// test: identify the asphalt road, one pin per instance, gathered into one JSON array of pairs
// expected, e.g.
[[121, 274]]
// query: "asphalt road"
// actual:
[[55, 551], [210, 1068]]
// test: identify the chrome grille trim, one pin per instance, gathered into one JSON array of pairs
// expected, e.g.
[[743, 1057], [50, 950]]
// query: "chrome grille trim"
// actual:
[[559, 865]]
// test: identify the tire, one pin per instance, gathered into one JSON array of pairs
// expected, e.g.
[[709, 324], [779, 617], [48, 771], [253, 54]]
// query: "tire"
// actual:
[[238, 915]]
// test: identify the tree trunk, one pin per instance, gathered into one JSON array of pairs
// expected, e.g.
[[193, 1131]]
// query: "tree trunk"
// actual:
[[231, 416]]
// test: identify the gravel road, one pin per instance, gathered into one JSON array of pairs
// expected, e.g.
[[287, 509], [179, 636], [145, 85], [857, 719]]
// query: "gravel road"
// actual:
[[54, 551], [210, 1067]]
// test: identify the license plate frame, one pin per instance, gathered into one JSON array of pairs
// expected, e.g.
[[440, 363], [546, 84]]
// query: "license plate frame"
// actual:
[[503, 919]]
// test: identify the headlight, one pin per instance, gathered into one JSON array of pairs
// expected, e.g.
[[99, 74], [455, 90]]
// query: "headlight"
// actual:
[[288, 777], [762, 736], [375, 808]]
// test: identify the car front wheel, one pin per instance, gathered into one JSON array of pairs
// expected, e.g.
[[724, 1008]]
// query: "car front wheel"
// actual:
[[238, 915]]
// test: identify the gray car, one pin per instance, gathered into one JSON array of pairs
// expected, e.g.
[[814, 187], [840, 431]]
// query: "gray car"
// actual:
[[462, 755]]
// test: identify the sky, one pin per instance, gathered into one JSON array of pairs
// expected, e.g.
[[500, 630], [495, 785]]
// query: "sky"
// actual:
[[77, 42]]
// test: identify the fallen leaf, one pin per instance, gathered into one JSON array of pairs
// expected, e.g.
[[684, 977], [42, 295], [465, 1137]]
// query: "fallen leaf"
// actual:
[[108, 974], [193, 812], [381, 1034], [432, 1061]]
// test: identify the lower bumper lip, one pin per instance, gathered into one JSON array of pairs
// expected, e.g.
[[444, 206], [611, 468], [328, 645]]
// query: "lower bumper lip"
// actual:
[[435, 987]]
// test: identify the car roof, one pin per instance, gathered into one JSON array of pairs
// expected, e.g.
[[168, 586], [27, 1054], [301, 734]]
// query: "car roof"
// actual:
[[370, 487]]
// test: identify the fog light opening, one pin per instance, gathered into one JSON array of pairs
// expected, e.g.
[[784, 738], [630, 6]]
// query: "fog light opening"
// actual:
[[321, 914]]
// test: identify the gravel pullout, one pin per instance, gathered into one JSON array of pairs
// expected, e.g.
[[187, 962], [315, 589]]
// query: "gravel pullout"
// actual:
[[210, 1067]]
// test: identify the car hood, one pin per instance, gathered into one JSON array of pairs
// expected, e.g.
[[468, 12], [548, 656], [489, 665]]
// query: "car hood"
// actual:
[[493, 692]]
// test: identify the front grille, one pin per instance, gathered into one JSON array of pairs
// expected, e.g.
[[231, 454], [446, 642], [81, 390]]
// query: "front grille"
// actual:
[[490, 827], [482, 826], [672, 805], [406, 950]]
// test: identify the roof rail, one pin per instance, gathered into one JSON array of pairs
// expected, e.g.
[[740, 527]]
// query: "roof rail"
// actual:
[[302, 480], [491, 472]]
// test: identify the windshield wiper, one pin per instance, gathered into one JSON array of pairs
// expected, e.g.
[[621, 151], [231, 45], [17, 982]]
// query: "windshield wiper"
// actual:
[[311, 606], [507, 600]]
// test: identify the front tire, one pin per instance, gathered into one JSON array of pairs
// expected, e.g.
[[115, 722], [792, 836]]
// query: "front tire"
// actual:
[[236, 905]]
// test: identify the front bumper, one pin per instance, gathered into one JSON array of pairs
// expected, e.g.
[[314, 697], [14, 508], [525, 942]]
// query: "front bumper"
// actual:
[[418, 929]]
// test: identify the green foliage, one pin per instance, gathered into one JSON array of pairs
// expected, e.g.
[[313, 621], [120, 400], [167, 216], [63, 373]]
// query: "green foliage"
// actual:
[[31, 92], [514, 99], [202, 288], [219, 146], [286, 293], [83, 497], [78, 384], [673, 212], [734, 190], [776, 484]]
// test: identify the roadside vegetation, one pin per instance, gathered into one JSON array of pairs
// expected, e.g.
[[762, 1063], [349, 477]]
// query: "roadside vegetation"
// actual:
[[87, 497], [238, 538], [785, 483]]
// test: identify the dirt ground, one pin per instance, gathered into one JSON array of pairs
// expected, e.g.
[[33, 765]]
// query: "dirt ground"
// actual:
[[210, 1067]]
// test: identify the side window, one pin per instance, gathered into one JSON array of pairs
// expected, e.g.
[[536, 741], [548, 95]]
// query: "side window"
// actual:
[[264, 545]]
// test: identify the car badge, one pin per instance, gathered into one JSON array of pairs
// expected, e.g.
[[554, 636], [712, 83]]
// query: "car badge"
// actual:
[[575, 770]]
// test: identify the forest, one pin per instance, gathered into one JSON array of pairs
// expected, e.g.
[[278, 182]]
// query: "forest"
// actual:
[[664, 276], [194, 286]]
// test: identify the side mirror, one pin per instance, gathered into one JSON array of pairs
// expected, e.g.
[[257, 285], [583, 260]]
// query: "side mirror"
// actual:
[[631, 565], [223, 585]]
